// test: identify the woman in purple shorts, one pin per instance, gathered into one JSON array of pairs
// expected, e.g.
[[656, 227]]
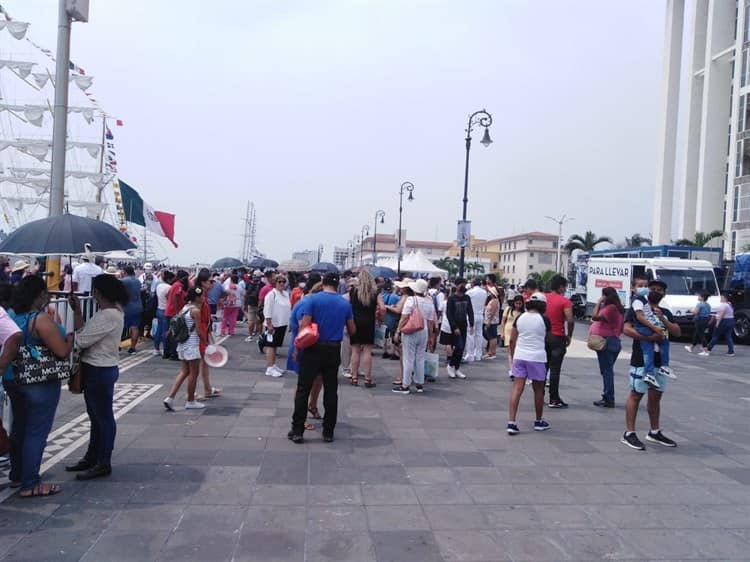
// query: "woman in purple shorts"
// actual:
[[529, 359]]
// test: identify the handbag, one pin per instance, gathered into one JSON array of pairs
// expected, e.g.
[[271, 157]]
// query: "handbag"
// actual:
[[596, 343], [37, 364], [307, 337], [415, 321], [431, 364], [75, 382]]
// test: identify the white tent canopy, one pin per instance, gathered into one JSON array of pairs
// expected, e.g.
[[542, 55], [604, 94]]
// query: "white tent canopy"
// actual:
[[417, 263]]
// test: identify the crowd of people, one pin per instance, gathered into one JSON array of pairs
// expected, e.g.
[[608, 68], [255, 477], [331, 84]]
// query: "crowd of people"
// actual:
[[414, 321]]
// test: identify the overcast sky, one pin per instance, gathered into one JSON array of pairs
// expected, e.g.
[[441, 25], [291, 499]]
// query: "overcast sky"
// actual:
[[318, 110]]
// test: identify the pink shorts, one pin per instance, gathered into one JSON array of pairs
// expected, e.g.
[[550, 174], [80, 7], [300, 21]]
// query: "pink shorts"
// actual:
[[533, 370]]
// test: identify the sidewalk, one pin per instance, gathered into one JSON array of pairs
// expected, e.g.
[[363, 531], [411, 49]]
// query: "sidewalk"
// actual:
[[409, 478]]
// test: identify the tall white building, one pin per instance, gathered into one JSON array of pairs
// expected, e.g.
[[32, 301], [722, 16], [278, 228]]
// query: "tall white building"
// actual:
[[714, 152]]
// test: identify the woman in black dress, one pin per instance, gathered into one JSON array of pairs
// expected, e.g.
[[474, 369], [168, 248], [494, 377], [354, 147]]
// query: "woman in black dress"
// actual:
[[365, 302]]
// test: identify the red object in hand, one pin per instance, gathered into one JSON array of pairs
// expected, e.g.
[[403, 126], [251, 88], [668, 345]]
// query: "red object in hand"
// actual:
[[307, 337]]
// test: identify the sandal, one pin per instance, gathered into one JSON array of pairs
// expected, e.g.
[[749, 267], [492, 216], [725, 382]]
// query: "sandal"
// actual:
[[214, 392], [370, 384], [353, 381], [314, 412], [42, 491], [309, 426]]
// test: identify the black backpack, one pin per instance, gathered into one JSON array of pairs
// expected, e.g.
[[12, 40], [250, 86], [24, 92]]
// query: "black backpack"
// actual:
[[178, 328]]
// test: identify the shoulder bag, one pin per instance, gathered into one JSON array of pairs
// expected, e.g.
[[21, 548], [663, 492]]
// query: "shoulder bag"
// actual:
[[37, 364], [415, 321]]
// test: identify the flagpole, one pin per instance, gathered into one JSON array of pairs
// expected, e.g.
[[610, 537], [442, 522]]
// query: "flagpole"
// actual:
[[100, 188], [60, 121]]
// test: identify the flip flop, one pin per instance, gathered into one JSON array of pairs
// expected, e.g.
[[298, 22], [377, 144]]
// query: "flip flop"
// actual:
[[214, 392], [309, 426], [39, 491], [314, 413]]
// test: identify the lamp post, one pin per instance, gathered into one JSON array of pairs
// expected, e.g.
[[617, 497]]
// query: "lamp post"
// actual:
[[379, 214], [409, 188], [365, 232], [350, 253], [483, 119], [560, 222]]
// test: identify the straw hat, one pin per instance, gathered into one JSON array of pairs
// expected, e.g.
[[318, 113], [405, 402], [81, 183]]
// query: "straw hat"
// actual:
[[111, 270], [20, 265], [419, 286], [403, 283]]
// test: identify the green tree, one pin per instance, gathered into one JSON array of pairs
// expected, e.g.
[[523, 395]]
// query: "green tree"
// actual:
[[636, 240], [543, 278], [700, 239], [587, 242], [448, 264]]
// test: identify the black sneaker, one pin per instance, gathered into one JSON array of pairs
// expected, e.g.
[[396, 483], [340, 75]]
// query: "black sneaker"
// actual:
[[400, 390], [604, 404], [131, 351], [328, 437], [659, 437], [557, 404], [420, 388], [632, 441], [295, 437]]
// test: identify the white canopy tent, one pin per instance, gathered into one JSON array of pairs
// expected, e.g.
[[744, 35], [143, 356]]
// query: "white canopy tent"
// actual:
[[417, 263]]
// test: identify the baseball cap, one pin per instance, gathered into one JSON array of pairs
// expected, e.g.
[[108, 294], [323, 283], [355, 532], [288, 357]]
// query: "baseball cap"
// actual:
[[538, 297], [658, 283], [257, 273]]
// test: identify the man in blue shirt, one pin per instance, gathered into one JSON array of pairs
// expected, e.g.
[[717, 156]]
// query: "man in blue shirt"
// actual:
[[331, 312]]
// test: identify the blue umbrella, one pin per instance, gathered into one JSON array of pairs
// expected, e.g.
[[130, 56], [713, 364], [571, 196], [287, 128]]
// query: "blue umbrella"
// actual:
[[262, 263], [324, 267], [381, 271], [225, 263], [64, 235]]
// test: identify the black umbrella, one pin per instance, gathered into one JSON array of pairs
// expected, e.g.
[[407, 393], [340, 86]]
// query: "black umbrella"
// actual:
[[64, 235], [225, 263], [324, 267], [380, 271], [262, 263]]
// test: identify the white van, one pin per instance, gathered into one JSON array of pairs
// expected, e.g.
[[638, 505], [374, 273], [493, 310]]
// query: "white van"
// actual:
[[685, 279]]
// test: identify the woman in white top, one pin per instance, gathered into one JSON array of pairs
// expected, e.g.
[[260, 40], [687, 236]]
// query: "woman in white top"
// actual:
[[724, 326], [99, 342], [276, 311], [491, 322], [162, 327], [414, 345]]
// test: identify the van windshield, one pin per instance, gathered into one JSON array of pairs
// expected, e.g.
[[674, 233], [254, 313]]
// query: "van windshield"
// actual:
[[688, 281]]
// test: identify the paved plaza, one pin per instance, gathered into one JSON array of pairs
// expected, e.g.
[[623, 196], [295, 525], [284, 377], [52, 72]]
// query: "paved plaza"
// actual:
[[409, 478]]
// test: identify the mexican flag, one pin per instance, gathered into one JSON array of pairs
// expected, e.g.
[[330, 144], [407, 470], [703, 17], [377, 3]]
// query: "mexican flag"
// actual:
[[139, 212]]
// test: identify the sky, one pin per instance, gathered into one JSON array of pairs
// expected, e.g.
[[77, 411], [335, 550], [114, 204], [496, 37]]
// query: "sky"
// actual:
[[317, 111]]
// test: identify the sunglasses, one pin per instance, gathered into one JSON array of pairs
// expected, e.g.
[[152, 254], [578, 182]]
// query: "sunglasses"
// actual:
[[281, 282]]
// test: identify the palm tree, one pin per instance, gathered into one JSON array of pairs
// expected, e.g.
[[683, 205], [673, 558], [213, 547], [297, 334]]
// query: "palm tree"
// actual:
[[448, 264], [587, 242], [543, 278], [636, 240], [700, 239]]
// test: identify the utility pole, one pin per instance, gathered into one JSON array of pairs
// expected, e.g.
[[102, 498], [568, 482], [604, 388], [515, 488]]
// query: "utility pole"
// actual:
[[560, 222]]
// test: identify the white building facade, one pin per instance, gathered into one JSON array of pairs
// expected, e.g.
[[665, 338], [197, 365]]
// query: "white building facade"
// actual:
[[714, 153]]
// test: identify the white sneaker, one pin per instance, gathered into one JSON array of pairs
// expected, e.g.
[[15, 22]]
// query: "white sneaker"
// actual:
[[156, 352], [271, 372], [460, 375], [510, 374], [451, 371], [194, 405], [277, 372], [168, 403], [689, 348], [651, 381], [704, 354], [468, 359], [348, 373], [667, 372]]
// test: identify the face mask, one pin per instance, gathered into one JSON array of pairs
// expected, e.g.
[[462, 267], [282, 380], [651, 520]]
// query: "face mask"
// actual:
[[641, 291], [301, 285]]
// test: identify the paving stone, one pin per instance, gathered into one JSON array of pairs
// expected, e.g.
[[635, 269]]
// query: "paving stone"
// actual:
[[127, 545], [470, 546], [341, 494], [398, 546], [280, 546], [455, 517], [384, 494], [455, 458], [147, 517], [336, 519], [446, 494], [185, 545], [197, 518], [396, 518], [268, 518], [270, 494]]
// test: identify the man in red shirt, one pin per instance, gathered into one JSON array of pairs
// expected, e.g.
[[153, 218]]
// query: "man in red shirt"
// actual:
[[560, 315]]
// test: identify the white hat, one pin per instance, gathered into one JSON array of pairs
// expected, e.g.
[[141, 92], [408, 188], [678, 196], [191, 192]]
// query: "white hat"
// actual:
[[404, 283], [257, 273], [111, 270], [20, 265], [538, 297], [216, 356], [419, 286], [148, 266]]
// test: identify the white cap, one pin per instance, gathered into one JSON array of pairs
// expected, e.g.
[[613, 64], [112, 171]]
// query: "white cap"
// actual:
[[539, 297], [148, 266]]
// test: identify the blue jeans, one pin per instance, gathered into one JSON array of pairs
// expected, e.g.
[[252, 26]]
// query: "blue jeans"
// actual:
[[607, 358], [98, 390], [33, 407], [649, 353], [160, 337], [726, 329]]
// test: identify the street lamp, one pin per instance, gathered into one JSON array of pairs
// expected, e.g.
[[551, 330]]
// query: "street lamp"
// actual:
[[365, 232], [408, 187], [350, 253], [483, 119], [560, 222], [379, 214]]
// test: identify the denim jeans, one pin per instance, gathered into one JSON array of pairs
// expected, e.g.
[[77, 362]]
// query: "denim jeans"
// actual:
[[33, 407], [459, 343], [98, 391], [699, 335], [556, 349], [324, 359], [649, 351], [607, 358], [160, 337], [726, 329]]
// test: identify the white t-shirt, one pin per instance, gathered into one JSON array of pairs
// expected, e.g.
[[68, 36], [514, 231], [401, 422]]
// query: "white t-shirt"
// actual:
[[83, 274], [478, 297], [442, 304], [426, 307], [7, 327], [276, 306], [162, 291], [532, 331]]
